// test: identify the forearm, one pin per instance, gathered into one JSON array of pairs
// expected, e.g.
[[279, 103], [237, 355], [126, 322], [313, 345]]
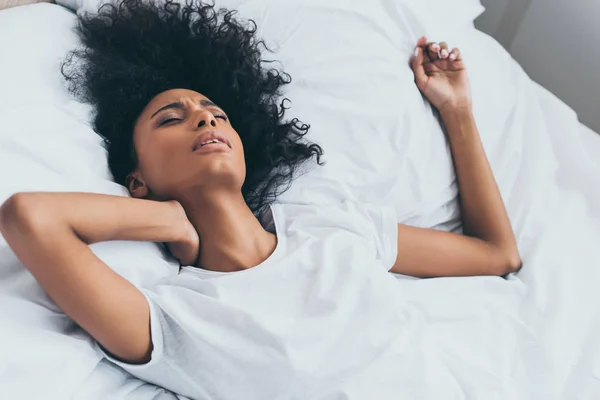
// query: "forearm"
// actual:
[[483, 212], [99, 218]]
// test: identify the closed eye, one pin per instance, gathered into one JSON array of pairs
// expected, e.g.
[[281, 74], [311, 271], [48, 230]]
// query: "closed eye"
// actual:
[[168, 121], [222, 116]]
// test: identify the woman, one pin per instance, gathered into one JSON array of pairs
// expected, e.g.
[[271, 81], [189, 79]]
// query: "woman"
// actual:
[[303, 308]]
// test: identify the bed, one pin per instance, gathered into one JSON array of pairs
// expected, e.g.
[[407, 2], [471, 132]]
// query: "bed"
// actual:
[[532, 335]]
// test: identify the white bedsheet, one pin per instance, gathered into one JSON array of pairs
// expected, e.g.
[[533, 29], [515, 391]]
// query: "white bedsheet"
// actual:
[[542, 324], [539, 327]]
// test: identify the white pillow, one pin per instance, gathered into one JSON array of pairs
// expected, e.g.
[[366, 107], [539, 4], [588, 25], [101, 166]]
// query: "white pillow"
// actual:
[[46, 142], [351, 82], [457, 11], [453, 13], [382, 142]]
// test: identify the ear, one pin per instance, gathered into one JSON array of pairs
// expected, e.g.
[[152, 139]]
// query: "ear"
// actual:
[[137, 186]]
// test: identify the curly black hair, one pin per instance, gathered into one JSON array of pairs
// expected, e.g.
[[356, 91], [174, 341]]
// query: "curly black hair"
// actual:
[[135, 49]]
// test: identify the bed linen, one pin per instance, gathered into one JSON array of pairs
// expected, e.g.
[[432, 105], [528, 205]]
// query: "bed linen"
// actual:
[[15, 3], [591, 141], [46, 143], [530, 336]]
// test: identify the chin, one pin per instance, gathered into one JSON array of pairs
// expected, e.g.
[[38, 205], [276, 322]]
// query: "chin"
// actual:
[[222, 174]]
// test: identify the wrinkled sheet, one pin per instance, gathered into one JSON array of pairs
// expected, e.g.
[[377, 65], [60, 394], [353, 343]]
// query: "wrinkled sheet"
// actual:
[[534, 335]]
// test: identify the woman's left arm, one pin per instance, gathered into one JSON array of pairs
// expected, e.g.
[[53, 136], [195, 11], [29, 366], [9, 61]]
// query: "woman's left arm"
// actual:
[[488, 246], [429, 253]]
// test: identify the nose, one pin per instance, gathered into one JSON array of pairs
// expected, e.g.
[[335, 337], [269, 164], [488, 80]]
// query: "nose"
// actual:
[[206, 118]]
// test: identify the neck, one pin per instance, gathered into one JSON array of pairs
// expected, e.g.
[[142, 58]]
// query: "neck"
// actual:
[[231, 237]]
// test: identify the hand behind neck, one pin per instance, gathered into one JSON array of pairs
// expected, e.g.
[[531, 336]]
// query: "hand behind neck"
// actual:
[[231, 237]]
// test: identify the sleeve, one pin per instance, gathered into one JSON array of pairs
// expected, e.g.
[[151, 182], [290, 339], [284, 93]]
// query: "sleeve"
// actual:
[[165, 368], [374, 225], [380, 227]]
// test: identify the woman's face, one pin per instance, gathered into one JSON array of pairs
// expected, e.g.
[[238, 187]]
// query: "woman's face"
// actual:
[[185, 145]]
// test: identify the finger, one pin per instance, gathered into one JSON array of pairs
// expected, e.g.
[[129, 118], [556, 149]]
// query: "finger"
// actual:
[[444, 52], [416, 62], [422, 41], [433, 51], [455, 55], [417, 67]]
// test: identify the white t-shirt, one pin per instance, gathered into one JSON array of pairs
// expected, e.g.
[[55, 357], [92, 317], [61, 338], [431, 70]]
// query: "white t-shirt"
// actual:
[[319, 319]]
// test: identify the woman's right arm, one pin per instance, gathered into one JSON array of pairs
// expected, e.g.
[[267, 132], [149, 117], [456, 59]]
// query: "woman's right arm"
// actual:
[[50, 234]]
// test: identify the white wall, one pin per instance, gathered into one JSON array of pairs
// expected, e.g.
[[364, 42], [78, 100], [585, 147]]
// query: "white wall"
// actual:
[[558, 43]]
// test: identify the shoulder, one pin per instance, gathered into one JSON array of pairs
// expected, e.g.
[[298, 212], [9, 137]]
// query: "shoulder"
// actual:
[[347, 223], [346, 215]]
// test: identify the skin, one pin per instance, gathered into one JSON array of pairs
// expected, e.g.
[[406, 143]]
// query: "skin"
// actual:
[[208, 185], [488, 246], [192, 201]]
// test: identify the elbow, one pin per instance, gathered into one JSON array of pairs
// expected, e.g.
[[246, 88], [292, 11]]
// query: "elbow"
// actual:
[[514, 263], [11, 212], [510, 262], [21, 211]]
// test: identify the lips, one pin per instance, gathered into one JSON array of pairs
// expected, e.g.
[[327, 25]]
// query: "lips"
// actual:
[[210, 139]]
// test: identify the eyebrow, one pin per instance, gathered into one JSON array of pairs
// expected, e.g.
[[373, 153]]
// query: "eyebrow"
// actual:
[[180, 105]]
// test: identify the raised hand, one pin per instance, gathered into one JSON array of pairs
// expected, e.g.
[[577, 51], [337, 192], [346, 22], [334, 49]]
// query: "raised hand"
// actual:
[[441, 75], [186, 248]]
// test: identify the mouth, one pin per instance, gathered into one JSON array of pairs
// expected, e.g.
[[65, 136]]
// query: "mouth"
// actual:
[[212, 140]]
